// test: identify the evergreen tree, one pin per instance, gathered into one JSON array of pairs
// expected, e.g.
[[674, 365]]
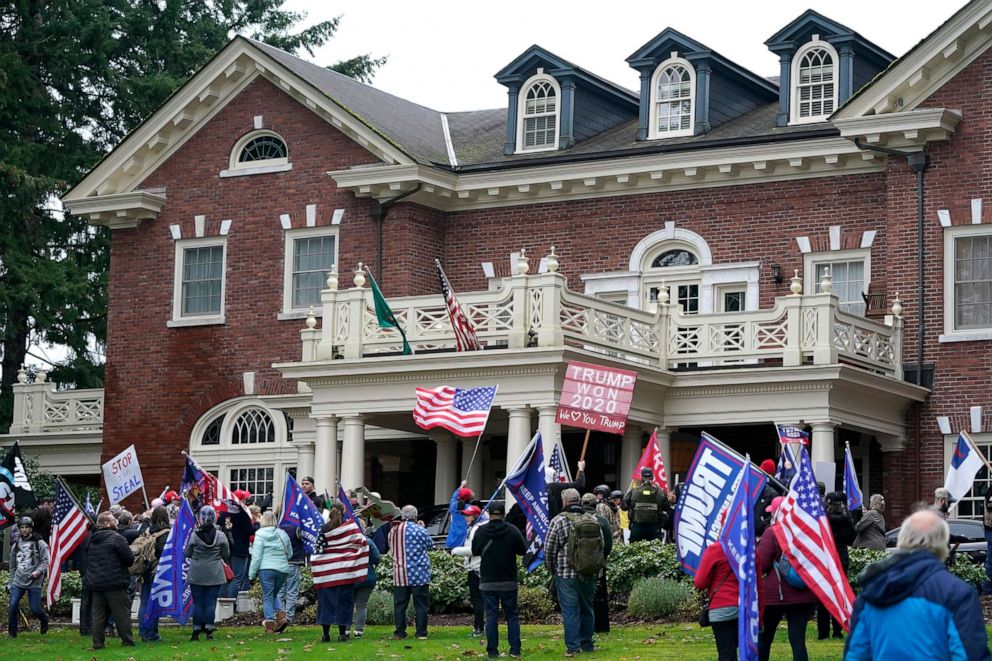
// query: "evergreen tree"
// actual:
[[75, 77]]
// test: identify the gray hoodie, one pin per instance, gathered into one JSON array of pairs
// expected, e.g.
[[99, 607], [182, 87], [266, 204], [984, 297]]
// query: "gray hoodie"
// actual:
[[30, 561]]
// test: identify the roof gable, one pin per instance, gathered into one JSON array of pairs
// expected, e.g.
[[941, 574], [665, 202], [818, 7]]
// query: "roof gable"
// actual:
[[800, 29]]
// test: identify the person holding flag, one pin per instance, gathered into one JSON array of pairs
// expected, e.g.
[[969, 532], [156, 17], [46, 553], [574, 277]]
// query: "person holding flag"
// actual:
[[472, 562], [647, 506], [842, 528], [852, 490], [343, 563]]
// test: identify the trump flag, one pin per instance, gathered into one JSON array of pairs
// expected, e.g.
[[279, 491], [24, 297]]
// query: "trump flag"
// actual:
[[529, 487], [171, 592], [737, 540], [299, 511]]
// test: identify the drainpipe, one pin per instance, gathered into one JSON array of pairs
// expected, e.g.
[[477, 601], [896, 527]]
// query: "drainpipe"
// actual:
[[918, 162], [380, 214]]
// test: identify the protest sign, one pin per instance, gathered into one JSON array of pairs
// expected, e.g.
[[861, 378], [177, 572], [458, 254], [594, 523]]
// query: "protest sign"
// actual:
[[122, 475], [596, 397]]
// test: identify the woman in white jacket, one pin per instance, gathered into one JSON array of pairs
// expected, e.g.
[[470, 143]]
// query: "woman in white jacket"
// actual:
[[472, 515]]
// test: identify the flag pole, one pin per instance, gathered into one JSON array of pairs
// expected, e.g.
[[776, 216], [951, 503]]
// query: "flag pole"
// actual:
[[974, 446], [478, 441], [585, 445]]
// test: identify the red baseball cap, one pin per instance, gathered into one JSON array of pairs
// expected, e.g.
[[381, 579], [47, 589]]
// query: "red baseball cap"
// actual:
[[775, 504], [241, 494], [170, 496], [768, 466], [465, 494], [471, 510]]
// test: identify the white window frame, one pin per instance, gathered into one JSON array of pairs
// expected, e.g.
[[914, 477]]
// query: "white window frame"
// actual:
[[794, 117], [653, 132], [813, 259], [238, 169], [522, 107], [288, 311], [178, 320], [983, 440], [951, 333], [730, 288]]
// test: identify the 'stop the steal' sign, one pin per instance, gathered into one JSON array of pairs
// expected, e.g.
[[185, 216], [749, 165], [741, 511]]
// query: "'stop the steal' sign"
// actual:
[[122, 475], [596, 397]]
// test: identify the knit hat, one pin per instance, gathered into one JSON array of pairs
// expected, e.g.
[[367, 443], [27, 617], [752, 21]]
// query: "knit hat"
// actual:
[[465, 494], [768, 466]]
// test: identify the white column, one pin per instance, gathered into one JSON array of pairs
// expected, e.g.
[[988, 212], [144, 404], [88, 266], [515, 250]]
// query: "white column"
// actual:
[[304, 459], [665, 445], [325, 469], [823, 442], [550, 430], [630, 453], [445, 472], [353, 452], [517, 438], [474, 476]]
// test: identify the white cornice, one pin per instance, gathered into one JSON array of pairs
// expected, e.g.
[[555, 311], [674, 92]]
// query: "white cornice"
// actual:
[[649, 173], [187, 111], [913, 128], [118, 210], [917, 75]]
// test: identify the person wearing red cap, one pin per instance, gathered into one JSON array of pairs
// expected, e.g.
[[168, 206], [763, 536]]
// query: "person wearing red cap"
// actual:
[[762, 515], [241, 528], [458, 530], [471, 514]]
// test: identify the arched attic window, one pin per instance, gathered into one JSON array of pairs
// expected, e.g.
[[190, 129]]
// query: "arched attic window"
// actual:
[[675, 265], [674, 95], [258, 152], [814, 82], [539, 114]]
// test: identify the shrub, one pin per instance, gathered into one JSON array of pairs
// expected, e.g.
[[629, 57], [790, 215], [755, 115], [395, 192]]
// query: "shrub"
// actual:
[[534, 603], [662, 598], [631, 562], [539, 578], [449, 581], [381, 608], [72, 588], [962, 567]]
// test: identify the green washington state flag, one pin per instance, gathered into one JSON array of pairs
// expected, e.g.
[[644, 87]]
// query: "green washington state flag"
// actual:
[[385, 315]]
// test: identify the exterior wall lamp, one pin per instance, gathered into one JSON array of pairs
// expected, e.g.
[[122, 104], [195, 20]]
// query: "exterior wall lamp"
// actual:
[[777, 274]]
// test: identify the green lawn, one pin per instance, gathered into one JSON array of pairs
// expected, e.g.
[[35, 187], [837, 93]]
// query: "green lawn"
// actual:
[[679, 642]]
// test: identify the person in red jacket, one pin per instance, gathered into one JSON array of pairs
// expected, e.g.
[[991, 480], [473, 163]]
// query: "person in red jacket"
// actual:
[[781, 599], [717, 578]]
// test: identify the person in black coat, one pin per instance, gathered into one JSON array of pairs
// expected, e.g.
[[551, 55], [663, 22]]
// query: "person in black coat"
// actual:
[[107, 558], [842, 527], [499, 544], [555, 489]]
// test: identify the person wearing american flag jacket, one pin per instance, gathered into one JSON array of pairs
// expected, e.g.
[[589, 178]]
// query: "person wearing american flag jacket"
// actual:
[[409, 543]]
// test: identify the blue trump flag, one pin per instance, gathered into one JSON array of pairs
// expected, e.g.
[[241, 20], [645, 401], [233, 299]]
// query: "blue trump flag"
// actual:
[[171, 594], [299, 511], [349, 511], [528, 485], [855, 497], [707, 491], [737, 540]]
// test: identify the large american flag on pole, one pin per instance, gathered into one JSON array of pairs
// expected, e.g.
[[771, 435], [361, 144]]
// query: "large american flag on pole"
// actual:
[[461, 411], [465, 337], [807, 542], [69, 528], [345, 558]]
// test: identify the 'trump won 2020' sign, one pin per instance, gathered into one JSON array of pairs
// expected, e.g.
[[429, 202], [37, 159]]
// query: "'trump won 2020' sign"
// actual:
[[596, 397]]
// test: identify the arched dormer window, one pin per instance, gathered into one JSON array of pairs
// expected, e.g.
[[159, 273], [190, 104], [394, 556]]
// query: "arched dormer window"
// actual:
[[673, 90], [257, 153], [539, 114], [814, 82]]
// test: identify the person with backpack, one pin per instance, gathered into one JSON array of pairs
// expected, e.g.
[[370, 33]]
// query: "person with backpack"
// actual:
[[147, 550], [575, 554], [784, 594], [29, 564], [601, 600], [648, 506], [608, 509], [497, 545], [206, 551]]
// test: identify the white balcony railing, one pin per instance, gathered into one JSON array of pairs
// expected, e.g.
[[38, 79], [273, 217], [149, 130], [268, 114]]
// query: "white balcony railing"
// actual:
[[39, 408], [540, 311]]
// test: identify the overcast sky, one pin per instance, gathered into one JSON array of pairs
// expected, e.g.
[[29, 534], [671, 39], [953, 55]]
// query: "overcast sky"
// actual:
[[443, 53]]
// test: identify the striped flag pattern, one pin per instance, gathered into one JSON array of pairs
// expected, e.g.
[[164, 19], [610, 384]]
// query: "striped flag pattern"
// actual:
[[465, 337], [651, 458], [806, 540], [558, 465], [69, 528], [461, 411], [344, 560]]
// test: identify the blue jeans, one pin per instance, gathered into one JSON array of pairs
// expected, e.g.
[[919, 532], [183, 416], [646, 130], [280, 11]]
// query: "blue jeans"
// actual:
[[290, 591], [147, 631], [34, 602], [204, 606], [575, 598], [492, 601], [272, 582], [239, 566]]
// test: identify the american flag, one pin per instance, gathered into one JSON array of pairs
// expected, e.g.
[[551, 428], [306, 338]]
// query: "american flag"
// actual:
[[69, 528], [652, 459], [804, 535], [465, 337], [345, 558], [463, 412], [558, 465]]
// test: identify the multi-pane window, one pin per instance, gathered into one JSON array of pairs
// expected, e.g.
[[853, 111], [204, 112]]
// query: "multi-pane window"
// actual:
[[313, 257], [258, 481], [973, 282], [211, 436], [540, 117], [263, 148], [815, 90], [848, 279], [688, 297], [673, 100], [202, 280], [253, 426], [732, 301], [676, 257]]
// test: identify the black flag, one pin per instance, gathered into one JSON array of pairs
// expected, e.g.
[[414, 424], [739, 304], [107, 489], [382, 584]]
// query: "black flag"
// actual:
[[13, 474]]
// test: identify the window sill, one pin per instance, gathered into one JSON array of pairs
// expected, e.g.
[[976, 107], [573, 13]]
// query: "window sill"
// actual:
[[195, 321], [264, 169], [975, 336], [318, 312]]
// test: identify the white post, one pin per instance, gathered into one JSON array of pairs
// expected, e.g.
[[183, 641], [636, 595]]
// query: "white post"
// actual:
[[325, 460], [517, 438], [305, 452], [630, 454], [445, 479], [665, 447], [550, 429], [353, 452], [823, 442]]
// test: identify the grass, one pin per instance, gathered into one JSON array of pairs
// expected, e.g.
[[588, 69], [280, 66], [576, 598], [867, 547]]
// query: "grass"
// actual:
[[675, 642]]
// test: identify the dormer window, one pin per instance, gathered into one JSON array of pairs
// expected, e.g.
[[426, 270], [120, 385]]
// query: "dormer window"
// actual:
[[539, 114], [814, 75], [674, 93]]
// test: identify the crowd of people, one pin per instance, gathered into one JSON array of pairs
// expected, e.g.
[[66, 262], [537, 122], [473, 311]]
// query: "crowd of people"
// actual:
[[228, 551]]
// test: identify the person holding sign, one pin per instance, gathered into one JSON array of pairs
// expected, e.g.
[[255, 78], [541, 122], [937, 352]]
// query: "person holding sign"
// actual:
[[647, 506]]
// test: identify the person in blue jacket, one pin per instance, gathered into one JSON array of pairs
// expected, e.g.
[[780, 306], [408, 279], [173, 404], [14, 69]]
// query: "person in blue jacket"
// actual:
[[458, 530], [911, 607]]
